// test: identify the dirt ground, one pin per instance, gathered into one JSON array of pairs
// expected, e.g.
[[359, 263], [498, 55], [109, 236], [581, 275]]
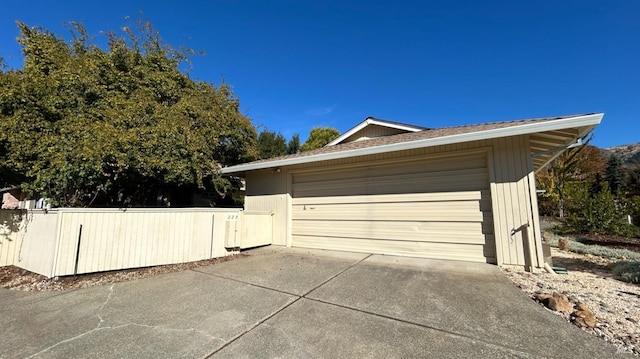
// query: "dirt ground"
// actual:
[[19, 279]]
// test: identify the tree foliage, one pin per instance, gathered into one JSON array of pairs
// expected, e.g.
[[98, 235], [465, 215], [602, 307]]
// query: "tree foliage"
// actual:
[[614, 175], [293, 146], [579, 164], [82, 125], [271, 144], [318, 137]]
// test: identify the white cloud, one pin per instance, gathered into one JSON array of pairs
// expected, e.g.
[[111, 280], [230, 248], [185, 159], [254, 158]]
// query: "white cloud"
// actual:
[[323, 111]]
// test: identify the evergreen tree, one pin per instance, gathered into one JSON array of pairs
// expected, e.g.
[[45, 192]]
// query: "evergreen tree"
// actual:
[[294, 144], [271, 144], [614, 174]]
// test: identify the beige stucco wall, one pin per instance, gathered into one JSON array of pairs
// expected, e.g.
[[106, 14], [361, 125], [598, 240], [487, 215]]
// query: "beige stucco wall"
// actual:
[[512, 192]]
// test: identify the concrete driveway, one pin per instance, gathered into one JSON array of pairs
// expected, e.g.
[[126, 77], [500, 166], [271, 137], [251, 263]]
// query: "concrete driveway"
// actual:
[[294, 303]]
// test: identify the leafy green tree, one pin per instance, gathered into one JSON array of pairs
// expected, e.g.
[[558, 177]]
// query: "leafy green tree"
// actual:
[[614, 175], [579, 164], [119, 126], [595, 213], [271, 144], [318, 137], [294, 144]]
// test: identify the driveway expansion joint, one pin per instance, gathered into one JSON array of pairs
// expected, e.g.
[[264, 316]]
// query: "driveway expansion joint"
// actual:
[[263, 320]]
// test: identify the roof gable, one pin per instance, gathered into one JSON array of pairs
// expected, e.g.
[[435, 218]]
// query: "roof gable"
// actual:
[[372, 128]]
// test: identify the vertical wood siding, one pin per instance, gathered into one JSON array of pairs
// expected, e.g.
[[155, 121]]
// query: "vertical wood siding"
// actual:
[[514, 199], [103, 240], [95, 240]]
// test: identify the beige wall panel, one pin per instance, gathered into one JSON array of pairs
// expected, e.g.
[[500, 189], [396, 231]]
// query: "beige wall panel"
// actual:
[[466, 232], [113, 240], [266, 182], [256, 229], [11, 221], [38, 242], [27, 239], [453, 211], [445, 181], [399, 248], [278, 205], [400, 197], [512, 197]]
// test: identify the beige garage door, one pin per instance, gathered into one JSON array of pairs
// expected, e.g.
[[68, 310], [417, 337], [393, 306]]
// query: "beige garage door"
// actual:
[[432, 208]]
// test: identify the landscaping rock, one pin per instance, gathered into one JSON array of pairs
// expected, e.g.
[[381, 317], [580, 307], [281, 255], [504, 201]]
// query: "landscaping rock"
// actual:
[[583, 317], [564, 244], [556, 302], [614, 304]]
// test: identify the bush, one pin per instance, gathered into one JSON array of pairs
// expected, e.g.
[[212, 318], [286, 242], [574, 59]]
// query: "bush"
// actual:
[[628, 271], [632, 207], [596, 213], [594, 250]]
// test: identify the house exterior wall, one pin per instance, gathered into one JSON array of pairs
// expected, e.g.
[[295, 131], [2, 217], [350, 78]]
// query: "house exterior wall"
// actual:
[[514, 201], [512, 189]]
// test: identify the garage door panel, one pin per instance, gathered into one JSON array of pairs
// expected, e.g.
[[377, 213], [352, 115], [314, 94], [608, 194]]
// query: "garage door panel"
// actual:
[[462, 252], [428, 208], [399, 198], [474, 161], [463, 180], [464, 211], [469, 233]]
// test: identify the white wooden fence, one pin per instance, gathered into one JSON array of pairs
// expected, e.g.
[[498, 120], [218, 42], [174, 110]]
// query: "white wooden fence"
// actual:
[[74, 241]]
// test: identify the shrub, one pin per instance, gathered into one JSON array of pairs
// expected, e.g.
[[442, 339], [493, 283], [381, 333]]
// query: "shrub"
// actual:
[[595, 250], [628, 271], [596, 213], [632, 206]]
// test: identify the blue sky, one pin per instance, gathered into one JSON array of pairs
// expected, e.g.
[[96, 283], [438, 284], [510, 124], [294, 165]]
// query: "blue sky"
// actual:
[[300, 64]]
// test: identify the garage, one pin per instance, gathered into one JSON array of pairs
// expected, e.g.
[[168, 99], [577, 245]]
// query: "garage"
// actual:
[[431, 208], [464, 193]]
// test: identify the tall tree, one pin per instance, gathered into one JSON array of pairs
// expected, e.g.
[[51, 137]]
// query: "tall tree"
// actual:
[[90, 126], [294, 144], [271, 144], [318, 137], [579, 164], [614, 175]]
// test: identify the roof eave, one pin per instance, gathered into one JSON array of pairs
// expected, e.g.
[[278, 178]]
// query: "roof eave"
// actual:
[[587, 121]]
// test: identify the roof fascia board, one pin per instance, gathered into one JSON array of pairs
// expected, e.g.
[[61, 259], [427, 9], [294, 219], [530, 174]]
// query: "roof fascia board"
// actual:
[[395, 125], [342, 137], [587, 121]]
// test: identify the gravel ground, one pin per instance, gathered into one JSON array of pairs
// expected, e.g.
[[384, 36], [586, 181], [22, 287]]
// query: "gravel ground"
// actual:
[[615, 304]]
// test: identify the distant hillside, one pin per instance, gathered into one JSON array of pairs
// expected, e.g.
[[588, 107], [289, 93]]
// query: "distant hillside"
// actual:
[[629, 154]]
